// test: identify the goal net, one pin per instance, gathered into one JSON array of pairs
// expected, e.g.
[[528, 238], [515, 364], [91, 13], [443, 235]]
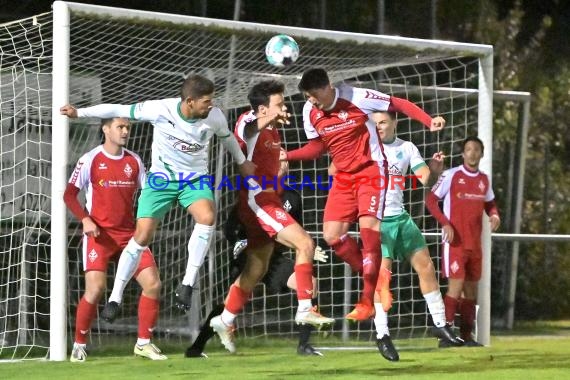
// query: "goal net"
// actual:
[[124, 56]]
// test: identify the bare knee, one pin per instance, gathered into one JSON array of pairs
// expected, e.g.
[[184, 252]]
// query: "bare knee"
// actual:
[[305, 248], [144, 235], [207, 218], [94, 292]]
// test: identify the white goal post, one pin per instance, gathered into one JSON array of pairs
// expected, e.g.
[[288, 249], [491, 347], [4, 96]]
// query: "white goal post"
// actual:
[[111, 55]]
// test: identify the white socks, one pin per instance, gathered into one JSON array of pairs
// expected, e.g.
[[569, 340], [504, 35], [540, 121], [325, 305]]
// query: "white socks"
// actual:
[[436, 307], [304, 306], [380, 321], [142, 342], [197, 249], [126, 268], [228, 318]]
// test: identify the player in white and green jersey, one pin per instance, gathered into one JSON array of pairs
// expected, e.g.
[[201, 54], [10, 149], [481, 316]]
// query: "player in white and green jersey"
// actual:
[[401, 238], [183, 128]]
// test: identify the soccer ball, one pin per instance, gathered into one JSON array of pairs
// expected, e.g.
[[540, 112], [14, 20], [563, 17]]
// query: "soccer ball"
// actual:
[[281, 50]]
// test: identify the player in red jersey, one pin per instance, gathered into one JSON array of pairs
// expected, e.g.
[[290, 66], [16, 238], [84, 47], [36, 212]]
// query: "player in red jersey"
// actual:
[[261, 212], [336, 119], [111, 176], [466, 194]]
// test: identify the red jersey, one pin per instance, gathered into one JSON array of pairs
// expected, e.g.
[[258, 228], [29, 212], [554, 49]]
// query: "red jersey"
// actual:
[[111, 183], [349, 136], [465, 195], [262, 149]]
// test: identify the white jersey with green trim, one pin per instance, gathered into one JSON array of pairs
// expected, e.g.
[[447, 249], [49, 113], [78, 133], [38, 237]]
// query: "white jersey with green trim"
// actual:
[[401, 155], [179, 145]]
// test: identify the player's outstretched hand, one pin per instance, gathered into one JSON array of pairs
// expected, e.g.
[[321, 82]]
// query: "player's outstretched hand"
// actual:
[[247, 168], [320, 255], [495, 222], [283, 155], [437, 124], [69, 111]]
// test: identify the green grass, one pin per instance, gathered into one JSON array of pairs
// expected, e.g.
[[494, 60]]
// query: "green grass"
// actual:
[[520, 356]]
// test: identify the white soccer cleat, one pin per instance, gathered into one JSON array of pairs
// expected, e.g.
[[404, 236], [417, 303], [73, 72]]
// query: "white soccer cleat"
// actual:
[[312, 317], [225, 332], [149, 351], [78, 354]]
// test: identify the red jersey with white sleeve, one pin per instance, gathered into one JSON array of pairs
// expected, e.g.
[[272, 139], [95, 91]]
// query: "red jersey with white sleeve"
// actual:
[[349, 136], [259, 207], [261, 148], [111, 183]]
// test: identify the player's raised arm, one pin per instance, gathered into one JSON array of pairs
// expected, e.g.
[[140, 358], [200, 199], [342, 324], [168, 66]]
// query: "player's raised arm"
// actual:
[[414, 112], [229, 141], [102, 111]]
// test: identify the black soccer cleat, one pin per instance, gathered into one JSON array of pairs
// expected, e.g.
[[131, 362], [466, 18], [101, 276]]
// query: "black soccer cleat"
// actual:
[[192, 352], [183, 297], [387, 349], [307, 350], [110, 311], [447, 337], [472, 343]]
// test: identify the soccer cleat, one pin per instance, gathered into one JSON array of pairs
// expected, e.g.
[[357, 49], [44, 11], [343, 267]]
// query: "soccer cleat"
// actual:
[[312, 317], [307, 350], [225, 332], [472, 343], [192, 352], [387, 349], [183, 297], [149, 351], [110, 311], [78, 354], [361, 312], [446, 336]]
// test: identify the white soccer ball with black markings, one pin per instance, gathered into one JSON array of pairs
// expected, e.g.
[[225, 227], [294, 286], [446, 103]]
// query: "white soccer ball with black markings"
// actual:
[[281, 50]]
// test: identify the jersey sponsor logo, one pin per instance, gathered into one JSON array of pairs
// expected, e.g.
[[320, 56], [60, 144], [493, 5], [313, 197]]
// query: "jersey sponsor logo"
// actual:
[[343, 115], [93, 255], [102, 166], [184, 146], [287, 205], [394, 170], [128, 170], [115, 183], [280, 215], [76, 172], [373, 95], [336, 127], [470, 196]]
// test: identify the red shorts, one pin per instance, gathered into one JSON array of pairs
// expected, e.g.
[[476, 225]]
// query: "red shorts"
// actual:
[[460, 263], [357, 194], [97, 252], [263, 216]]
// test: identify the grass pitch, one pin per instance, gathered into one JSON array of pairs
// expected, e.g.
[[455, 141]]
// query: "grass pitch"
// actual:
[[542, 356]]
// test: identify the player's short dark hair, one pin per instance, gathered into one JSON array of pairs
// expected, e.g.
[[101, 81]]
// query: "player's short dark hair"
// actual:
[[475, 139], [313, 79], [262, 91], [106, 121], [195, 86]]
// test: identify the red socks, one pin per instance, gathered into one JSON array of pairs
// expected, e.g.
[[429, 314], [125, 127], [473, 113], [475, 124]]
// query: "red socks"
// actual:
[[467, 311], [236, 299], [85, 315], [148, 315], [304, 277], [348, 251], [370, 262], [450, 308]]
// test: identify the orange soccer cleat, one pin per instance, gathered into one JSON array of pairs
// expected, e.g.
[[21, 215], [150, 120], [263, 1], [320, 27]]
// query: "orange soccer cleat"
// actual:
[[362, 312]]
